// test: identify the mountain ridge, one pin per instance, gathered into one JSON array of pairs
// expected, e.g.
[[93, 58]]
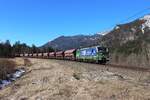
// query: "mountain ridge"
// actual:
[[130, 43], [71, 42], [118, 36]]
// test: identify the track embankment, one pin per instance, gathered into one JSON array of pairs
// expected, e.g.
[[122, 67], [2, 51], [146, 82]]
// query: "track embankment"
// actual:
[[144, 69]]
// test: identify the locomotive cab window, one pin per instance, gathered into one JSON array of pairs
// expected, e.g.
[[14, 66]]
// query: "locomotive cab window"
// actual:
[[101, 49]]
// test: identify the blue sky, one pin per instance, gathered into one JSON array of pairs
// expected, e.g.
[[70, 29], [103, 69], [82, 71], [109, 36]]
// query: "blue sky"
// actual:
[[39, 21]]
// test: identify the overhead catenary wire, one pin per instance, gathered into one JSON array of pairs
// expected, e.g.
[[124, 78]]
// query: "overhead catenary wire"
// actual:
[[134, 16]]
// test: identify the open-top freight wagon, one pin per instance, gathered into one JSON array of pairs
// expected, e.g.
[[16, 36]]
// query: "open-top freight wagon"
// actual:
[[52, 55], [60, 55], [45, 55], [35, 54], [91, 54], [70, 54]]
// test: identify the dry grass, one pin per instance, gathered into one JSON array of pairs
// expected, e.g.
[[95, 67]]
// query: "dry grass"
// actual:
[[6, 67], [63, 80]]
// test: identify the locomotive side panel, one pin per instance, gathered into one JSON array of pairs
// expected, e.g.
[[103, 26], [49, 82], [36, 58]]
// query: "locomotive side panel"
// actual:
[[87, 54], [93, 54]]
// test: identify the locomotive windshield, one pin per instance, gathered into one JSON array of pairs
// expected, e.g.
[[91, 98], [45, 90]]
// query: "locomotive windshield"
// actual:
[[102, 49]]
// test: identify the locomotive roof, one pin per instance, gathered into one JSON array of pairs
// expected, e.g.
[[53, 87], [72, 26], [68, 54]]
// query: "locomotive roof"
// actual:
[[89, 47]]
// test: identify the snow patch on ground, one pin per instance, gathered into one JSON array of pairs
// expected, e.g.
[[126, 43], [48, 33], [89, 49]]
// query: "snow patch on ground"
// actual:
[[11, 77]]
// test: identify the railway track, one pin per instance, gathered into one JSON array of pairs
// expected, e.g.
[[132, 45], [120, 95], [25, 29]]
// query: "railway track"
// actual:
[[143, 69]]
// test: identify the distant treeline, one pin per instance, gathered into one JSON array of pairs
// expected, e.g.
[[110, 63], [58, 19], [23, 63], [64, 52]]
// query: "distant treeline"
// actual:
[[8, 50]]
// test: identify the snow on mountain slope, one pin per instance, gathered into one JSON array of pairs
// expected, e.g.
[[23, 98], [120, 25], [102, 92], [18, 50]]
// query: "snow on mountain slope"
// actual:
[[104, 32], [147, 19], [146, 24]]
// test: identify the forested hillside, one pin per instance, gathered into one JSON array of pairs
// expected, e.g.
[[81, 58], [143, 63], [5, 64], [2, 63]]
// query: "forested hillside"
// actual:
[[8, 50]]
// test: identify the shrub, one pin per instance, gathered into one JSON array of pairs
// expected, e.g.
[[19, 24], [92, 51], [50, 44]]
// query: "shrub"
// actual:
[[27, 62], [76, 76], [136, 47], [6, 67]]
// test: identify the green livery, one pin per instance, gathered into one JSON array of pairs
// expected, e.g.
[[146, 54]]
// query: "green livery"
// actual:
[[93, 54]]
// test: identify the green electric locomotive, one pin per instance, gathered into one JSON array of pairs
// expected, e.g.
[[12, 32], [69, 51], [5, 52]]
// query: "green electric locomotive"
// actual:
[[93, 54]]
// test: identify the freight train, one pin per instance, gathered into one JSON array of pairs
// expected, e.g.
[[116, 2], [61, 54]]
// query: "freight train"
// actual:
[[95, 54]]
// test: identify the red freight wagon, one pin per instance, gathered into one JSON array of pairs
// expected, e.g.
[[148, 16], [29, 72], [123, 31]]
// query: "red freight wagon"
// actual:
[[45, 55], [35, 55], [60, 55], [40, 55], [21, 55], [70, 54], [30, 55], [17, 55], [26, 55], [52, 55]]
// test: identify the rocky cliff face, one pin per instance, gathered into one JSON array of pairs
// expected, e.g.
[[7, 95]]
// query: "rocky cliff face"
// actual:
[[121, 34]]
